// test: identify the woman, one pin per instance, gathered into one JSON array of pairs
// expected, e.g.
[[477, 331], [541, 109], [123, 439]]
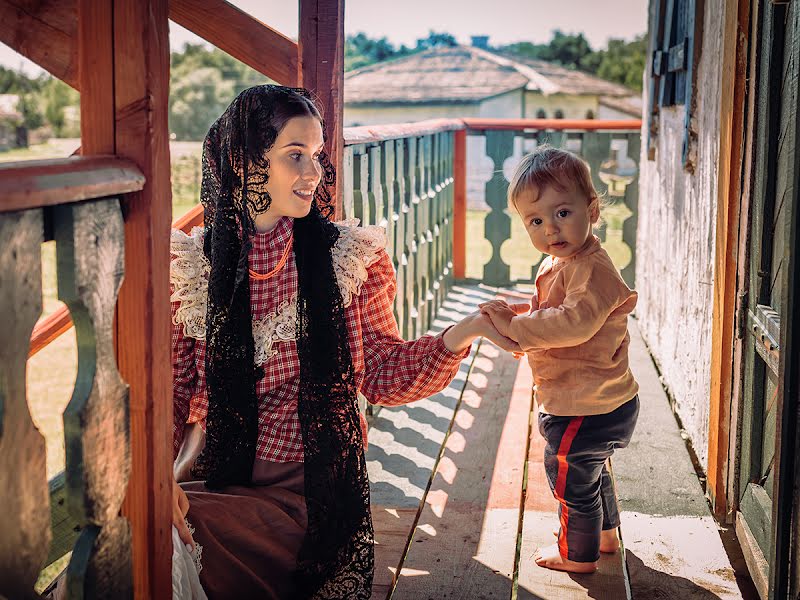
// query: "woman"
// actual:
[[280, 318]]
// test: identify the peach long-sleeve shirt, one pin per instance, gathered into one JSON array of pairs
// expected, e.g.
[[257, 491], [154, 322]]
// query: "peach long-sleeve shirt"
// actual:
[[576, 335]]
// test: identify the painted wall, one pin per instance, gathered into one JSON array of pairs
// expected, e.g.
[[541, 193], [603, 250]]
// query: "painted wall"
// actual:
[[607, 112], [675, 242], [573, 107], [405, 113]]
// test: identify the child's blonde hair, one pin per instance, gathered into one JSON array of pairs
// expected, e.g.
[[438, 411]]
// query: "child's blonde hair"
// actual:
[[551, 167]]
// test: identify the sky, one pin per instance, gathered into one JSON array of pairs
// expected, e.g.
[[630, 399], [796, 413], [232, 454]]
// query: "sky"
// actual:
[[404, 21]]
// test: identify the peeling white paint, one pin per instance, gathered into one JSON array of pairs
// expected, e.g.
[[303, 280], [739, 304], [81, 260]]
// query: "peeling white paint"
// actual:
[[675, 242]]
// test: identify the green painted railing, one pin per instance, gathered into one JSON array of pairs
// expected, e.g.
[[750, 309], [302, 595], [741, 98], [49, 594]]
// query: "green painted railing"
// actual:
[[611, 148], [401, 177]]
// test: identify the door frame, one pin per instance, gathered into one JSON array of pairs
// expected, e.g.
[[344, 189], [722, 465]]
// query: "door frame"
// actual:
[[737, 184]]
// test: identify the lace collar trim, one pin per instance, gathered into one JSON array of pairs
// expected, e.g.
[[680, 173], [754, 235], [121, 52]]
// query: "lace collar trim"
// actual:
[[355, 251]]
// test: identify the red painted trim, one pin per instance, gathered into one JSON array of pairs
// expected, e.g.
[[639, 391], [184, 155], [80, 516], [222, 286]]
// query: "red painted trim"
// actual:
[[561, 481], [378, 133], [553, 124]]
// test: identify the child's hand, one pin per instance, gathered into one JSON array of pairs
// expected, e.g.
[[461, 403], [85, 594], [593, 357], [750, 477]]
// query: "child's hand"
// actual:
[[501, 313], [489, 331]]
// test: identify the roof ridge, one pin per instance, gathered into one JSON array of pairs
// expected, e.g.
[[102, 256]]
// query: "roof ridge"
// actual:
[[541, 82]]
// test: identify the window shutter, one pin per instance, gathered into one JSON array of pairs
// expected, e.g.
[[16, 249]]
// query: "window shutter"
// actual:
[[675, 46]]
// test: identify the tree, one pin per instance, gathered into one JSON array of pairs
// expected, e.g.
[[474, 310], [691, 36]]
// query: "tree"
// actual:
[[621, 62], [28, 106], [57, 96], [436, 40], [566, 49], [624, 62], [196, 100]]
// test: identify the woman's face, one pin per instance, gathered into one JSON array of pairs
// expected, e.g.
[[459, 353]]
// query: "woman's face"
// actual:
[[294, 171]]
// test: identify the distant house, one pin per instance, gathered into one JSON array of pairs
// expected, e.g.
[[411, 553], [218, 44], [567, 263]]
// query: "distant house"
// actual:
[[469, 81], [12, 133]]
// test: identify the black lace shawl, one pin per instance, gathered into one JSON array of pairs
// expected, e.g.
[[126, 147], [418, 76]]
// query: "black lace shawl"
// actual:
[[336, 558]]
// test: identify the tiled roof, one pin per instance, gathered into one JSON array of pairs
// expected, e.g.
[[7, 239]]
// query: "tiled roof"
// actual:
[[466, 74]]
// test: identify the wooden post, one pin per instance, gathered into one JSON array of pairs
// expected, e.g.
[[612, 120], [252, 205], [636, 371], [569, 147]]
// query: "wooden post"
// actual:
[[737, 17], [460, 205], [141, 88], [95, 75], [321, 71]]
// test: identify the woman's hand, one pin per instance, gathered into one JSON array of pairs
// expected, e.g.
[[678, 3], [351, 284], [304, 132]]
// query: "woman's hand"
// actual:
[[501, 313], [473, 326], [180, 506]]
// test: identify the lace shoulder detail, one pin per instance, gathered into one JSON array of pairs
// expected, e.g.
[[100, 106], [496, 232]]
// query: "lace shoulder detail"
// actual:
[[189, 270], [357, 249]]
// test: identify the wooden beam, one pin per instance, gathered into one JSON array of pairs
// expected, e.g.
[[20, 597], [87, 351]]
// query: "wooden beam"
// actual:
[[731, 132], [245, 38], [96, 76], [33, 184], [193, 218], [43, 32], [46, 33], [460, 205], [141, 89], [321, 48], [749, 166]]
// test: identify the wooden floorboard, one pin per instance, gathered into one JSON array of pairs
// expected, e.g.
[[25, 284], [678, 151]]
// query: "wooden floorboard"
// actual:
[[405, 443], [539, 521], [465, 540], [463, 502]]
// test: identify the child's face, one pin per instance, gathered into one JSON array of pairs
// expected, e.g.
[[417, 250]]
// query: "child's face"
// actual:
[[558, 222]]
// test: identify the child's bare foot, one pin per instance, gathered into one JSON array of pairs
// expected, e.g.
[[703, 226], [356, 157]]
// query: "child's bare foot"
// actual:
[[550, 558], [609, 542]]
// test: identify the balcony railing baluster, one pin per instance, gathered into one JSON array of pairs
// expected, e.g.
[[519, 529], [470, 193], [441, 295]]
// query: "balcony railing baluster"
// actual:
[[24, 519], [90, 244]]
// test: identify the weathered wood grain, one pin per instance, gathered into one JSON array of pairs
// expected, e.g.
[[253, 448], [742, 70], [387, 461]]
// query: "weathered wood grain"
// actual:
[[141, 91], [245, 38], [90, 252], [43, 32], [25, 515], [33, 184], [465, 540], [321, 71]]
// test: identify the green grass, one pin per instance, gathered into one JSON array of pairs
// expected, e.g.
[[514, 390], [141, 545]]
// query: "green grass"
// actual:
[[520, 255]]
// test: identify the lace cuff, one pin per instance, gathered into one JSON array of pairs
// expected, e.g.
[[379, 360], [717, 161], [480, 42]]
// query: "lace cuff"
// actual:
[[189, 271], [356, 250]]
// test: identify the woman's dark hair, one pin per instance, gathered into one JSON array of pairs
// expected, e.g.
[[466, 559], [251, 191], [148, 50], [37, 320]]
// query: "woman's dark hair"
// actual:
[[336, 559]]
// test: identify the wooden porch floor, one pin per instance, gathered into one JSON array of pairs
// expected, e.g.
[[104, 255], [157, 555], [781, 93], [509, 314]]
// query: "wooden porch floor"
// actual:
[[460, 500]]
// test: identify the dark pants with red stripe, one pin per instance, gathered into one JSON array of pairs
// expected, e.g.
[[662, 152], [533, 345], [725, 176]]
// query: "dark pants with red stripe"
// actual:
[[575, 462]]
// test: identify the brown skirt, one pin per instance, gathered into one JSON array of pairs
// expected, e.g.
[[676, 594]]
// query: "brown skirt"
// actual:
[[250, 535]]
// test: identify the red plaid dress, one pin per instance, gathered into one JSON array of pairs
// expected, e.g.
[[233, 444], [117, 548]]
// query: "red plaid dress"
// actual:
[[388, 370]]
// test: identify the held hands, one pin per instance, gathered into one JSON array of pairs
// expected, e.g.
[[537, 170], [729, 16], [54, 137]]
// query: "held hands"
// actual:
[[489, 331], [500, 313], [462, 334]]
